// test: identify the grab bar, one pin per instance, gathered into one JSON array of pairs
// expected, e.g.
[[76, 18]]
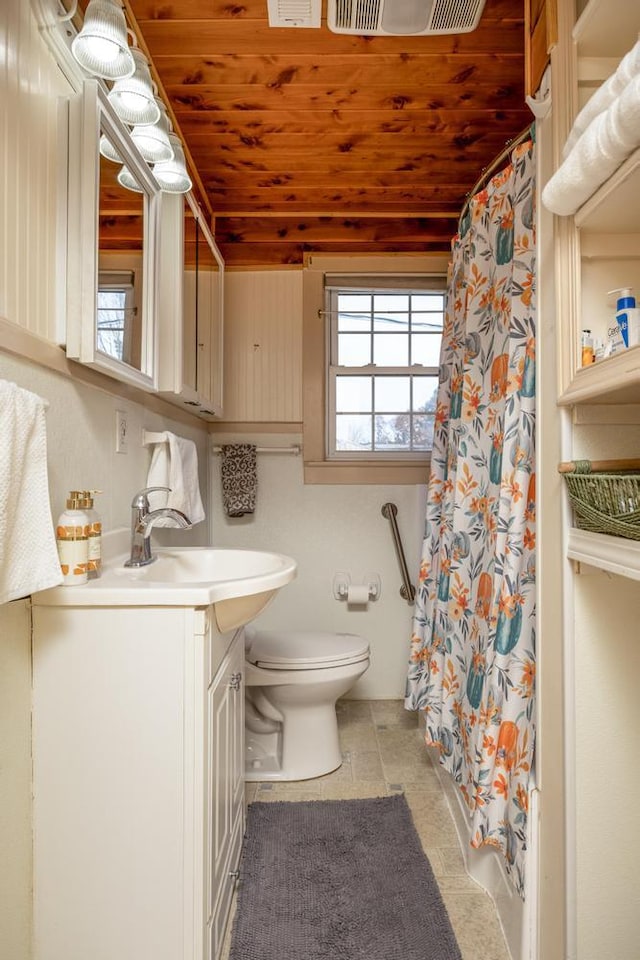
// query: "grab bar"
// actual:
[[407, 590]]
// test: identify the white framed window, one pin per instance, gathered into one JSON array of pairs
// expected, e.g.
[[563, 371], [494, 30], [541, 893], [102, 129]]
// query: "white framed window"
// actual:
[[384, 336]]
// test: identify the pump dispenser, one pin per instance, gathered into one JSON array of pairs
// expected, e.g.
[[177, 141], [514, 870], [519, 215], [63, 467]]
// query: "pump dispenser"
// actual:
[[627, 315], [73, 541], [93, 525]]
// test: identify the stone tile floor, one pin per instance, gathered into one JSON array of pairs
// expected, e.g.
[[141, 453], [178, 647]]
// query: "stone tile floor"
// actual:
[[383, 754]]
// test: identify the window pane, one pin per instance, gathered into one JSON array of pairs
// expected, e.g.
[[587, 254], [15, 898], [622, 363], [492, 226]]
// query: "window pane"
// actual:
[[390, 350], [425, 393], [353, 432], [427, 301], [354, 349], [392, 432], [353, 394], [392, 393], [425, 349], [111, 311], [390, 303], [425, 322], [393, 322], [422, 432], [354, 312]]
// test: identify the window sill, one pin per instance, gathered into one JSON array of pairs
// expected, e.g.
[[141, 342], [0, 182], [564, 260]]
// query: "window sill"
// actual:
[[387, 472]]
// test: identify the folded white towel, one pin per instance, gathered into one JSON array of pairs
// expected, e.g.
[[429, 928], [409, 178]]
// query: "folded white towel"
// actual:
[[28, 553], [604, 96], [609, 139], [174, 464]]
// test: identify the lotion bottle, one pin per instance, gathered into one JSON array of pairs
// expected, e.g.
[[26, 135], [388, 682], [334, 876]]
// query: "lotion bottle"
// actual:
[[627, 315], [93, 524], [73, 541]]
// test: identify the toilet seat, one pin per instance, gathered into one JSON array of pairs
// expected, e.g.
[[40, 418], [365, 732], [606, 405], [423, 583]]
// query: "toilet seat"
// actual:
[[272, 650]]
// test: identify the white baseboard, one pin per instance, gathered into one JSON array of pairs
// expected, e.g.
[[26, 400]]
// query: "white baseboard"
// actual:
[[485, 866]]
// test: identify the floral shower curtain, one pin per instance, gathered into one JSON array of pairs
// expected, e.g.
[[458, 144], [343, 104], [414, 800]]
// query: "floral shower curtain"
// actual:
[[472, 667]]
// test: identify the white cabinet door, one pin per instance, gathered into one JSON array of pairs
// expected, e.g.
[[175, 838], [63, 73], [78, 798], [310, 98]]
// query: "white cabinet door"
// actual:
[[226, 787]]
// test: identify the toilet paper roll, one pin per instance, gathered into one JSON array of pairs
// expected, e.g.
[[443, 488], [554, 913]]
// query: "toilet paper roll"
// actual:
[[358, 595]]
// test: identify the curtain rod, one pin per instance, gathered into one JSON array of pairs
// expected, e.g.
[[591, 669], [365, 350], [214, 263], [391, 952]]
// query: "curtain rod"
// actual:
[[494, 165], [295, 449]]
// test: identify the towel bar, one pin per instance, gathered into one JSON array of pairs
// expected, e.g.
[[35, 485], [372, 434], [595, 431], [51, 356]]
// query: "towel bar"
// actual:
[[295, 449]]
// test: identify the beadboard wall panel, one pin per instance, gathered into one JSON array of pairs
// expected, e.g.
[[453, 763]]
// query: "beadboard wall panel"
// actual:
[[32, 138], [263, 346]]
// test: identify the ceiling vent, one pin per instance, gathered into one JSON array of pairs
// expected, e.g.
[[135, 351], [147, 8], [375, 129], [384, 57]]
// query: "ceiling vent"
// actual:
[[402, 18], [294, 13]]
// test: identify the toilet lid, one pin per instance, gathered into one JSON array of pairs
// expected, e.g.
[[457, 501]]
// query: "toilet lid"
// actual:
[[296, 651]]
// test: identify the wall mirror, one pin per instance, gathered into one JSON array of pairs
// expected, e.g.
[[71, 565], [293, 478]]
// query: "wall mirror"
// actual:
[[112, 270]]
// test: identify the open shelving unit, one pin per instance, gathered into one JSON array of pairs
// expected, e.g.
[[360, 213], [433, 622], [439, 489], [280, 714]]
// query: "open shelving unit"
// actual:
[[605, 253]]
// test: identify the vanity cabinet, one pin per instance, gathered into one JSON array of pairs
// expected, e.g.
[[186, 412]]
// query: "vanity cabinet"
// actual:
[[138, 726]]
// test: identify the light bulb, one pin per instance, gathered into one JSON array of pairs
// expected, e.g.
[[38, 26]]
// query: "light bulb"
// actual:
[[172, 174], [152, 140], [102, 49], [128, 181], [132, 97], [108, 151]]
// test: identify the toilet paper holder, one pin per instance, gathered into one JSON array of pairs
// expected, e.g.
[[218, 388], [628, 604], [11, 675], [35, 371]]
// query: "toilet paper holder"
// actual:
[[342, 582]]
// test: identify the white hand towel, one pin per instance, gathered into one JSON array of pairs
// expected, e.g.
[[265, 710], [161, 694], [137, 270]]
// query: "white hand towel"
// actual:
[[28, 553], [174, 464], [606, 143], [604, 96]]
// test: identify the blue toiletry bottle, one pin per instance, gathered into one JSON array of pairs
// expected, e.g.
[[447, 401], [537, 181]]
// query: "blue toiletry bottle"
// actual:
[[625, 310]]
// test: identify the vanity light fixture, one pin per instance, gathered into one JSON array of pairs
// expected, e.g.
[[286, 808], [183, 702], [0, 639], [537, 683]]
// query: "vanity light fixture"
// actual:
[[172, 174], [133, 97], [153, 140], [128, 181], [101, 48]]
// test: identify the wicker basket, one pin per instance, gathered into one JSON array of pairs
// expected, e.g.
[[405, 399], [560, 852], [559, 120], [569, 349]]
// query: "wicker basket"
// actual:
[[605, 500]]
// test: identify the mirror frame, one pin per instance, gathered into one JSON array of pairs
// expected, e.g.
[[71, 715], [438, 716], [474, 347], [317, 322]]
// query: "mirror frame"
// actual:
[[91, 114]]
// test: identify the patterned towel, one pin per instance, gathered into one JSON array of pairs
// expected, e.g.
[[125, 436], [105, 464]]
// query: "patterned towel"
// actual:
[[239, 478]]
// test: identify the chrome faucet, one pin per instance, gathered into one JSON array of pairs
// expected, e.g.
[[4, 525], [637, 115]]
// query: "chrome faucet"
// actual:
[[142, 521]]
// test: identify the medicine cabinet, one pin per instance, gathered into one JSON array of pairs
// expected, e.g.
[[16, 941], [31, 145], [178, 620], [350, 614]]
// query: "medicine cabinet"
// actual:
[[191, 311], [112, 239]]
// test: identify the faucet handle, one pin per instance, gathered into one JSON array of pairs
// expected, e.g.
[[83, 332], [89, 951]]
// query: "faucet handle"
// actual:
[[141, 500]]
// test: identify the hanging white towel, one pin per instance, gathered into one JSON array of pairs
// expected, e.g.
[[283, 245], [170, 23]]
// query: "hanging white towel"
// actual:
[[174, 464], [604, 96], [28, 553], [607, 142]]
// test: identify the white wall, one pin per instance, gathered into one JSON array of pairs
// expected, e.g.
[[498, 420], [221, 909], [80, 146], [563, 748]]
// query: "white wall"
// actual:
[[329, 529], [81, 435]]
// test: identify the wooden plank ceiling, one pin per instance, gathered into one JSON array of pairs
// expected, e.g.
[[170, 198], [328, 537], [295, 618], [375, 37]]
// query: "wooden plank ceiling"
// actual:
[[306, 140]]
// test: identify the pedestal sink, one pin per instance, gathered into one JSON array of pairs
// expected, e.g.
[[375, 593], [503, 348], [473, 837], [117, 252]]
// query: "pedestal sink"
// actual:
[[239, 583]]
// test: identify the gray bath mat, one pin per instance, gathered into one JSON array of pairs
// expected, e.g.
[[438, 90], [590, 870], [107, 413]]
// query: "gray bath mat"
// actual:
[[338, 880]]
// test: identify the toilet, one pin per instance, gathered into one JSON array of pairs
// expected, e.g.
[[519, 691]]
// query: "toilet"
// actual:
[[292, 682]]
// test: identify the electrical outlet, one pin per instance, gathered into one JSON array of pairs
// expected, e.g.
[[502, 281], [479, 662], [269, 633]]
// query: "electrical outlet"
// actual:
[[122, 432]]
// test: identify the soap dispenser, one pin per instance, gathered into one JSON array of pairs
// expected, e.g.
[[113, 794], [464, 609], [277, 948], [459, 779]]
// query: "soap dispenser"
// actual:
[[73, 541], [94, 530]]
